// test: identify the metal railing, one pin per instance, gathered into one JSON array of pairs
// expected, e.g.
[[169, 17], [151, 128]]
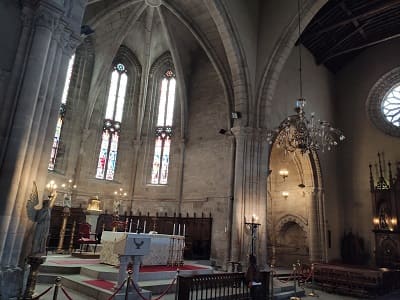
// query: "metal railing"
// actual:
[[218, 286]]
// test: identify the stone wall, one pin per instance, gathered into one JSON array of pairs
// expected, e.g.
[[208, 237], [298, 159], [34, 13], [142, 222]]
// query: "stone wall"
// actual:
[[354, 84]]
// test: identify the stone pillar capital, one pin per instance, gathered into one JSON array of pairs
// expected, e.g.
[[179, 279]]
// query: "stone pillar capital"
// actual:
[[69, 41], [47, 18], [259, 134]]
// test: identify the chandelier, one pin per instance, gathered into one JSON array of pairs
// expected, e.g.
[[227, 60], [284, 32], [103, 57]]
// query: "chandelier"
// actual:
[[297, 132]]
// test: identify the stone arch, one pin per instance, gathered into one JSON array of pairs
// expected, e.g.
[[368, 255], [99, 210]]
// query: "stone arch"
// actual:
[[305, 204], [292, 243], [302, 222], [275, 62], [237, 62]]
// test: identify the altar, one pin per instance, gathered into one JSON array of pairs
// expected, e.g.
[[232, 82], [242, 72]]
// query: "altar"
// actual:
[[164, 249]]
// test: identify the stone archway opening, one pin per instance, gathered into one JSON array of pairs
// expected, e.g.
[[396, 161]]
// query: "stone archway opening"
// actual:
[[291, 245], [295, 213]]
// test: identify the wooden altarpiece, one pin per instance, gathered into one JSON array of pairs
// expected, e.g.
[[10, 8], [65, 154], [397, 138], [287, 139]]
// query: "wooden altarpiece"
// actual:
[[386, 212]]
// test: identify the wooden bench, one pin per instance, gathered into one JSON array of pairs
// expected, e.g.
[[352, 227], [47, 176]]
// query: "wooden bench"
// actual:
[[349, 280]]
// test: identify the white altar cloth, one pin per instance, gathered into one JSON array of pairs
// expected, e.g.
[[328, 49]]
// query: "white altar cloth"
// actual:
[[164, 249]]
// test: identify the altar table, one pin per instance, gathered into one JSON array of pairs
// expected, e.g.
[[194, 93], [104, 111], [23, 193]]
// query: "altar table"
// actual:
[[164, 249]]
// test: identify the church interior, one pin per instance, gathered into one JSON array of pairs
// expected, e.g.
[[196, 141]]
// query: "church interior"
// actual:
[[286, 147]]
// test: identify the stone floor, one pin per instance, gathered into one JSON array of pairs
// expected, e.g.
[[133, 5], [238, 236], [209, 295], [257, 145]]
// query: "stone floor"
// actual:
[[320, 295], [76, 295]]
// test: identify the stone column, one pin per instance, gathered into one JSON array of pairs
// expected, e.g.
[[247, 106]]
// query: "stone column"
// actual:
[[250, 179], [31, 162], [9, 102], [315, 230], [69, 45], [15, 155]]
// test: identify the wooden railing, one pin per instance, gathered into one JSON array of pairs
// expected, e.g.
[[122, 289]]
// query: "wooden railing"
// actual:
[[221, 286]]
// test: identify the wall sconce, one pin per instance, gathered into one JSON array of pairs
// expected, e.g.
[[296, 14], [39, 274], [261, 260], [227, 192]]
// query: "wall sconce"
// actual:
[[393, 221], [284, 173], [236, 115], [375, 221], [285, 194]]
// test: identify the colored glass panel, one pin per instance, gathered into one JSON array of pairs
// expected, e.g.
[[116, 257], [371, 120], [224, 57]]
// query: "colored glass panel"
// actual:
[[112, 156], [159, 173], [56, 142], [165, 161], [155, 174], [101, 164], [57, 134]]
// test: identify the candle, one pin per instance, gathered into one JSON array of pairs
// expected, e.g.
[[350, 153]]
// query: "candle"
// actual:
[[179, 229], [137, 226], [173, 231], [144, 227], [130, 226], [184, 229]]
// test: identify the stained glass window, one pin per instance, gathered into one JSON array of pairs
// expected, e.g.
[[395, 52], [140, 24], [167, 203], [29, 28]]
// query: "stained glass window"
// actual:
[[112, 123], [57, 134], [391, 106], [159, 173]]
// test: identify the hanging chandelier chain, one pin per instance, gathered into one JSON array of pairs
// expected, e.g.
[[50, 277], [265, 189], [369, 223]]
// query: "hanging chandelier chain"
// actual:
[[299, 50], [297, 132]]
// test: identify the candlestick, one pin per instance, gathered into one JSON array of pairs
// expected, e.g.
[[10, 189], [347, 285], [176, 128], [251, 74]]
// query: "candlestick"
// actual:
[[179, 229], [144, 227], [173, 231]]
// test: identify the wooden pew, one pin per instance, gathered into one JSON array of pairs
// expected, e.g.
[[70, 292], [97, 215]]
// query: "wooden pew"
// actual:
[[349, 280]]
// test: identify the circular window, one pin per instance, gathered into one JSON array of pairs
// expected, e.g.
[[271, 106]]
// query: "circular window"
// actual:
[[391, 105], [120, 67], [383, 103]]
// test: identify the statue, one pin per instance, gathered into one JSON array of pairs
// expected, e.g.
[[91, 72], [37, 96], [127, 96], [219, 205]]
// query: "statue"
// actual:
[[42, 219]]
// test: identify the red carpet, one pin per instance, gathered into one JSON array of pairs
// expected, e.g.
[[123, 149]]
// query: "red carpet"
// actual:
[[75, 261], [170, 268], [103, 284]]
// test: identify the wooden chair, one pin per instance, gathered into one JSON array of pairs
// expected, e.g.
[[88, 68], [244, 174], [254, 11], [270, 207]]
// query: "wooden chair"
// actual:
[[86, 238]]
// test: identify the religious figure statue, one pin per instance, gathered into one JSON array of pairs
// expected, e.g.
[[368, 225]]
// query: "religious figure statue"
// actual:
[[42, 219]]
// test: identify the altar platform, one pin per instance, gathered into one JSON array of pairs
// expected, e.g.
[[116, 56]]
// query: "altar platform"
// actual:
[[97, 280]]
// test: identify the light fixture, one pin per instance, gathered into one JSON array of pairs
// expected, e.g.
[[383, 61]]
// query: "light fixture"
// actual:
[[253, 225], [285, 194], [236, 115], [68, 190], [119, 195], [51, 187], [284, 173], [297, 132]]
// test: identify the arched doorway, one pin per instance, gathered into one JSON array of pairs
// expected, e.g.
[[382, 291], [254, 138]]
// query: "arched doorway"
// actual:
[[291, 243], [295, 209]]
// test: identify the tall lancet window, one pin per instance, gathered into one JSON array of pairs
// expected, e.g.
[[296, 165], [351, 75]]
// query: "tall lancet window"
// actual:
[[112, 123], [60, 121], [163, 131]]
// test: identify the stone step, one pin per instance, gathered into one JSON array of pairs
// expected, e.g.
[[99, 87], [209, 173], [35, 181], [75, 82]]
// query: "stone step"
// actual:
[[76, 283], [286, 295]]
